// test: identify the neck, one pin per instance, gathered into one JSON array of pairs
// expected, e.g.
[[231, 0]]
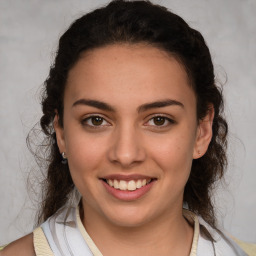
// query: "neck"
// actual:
[[170, 235]]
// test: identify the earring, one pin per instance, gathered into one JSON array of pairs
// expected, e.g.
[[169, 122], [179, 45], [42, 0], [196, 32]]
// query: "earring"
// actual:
[[64, 158], [199, 153]]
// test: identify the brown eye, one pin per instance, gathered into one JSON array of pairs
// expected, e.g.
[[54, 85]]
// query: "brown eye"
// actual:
[[159, 120], [97, 120]]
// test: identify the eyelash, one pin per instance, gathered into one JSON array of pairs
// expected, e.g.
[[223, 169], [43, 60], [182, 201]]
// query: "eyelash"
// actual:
[[85, 121], [167, 121], [89, 118]]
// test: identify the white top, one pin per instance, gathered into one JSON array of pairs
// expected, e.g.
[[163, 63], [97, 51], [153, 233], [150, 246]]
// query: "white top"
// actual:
[[63, 234]]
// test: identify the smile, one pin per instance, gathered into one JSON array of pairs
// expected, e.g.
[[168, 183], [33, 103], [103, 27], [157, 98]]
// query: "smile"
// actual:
[[130, 185]]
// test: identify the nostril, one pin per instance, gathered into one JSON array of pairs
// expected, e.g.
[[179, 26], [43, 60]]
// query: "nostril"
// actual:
[[126, 148]]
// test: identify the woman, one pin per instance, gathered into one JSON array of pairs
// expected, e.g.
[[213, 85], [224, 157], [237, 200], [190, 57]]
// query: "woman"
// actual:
[[134, 125]]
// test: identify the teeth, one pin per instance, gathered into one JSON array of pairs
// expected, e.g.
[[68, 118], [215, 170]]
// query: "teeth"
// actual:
[[131, 185], [123, 185], [128, 185], [116, 184], [139, 184]]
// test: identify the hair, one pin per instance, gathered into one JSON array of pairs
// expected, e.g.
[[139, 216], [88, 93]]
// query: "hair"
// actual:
[[135, 22]]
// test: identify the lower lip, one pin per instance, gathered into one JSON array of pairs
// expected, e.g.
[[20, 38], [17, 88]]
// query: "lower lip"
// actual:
[[127, 195]]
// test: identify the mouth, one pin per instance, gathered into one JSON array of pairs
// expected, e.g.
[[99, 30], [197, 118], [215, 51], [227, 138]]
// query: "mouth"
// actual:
[[128, 185]]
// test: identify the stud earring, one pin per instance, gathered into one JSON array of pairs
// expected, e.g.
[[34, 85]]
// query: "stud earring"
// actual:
[[199, 153], [64, 158]]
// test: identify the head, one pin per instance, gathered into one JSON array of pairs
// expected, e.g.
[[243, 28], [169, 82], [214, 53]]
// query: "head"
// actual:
[[142, 26]]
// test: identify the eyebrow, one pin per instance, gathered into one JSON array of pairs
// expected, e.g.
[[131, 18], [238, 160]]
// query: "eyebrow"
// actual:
[[105, 106], [94, 103], [160, 104]]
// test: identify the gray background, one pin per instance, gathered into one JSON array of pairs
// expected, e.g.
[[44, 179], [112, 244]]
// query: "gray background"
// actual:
[[29, 32]]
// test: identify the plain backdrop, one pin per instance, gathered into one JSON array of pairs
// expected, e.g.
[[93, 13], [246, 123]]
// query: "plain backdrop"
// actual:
[[29, 32]]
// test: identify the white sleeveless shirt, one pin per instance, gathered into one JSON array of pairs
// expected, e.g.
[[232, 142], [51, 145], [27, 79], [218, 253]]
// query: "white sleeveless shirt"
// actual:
[[63, 234]]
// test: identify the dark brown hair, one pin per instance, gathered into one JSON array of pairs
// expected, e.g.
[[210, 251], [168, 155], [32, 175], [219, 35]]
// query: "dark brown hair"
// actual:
[[136, 22]]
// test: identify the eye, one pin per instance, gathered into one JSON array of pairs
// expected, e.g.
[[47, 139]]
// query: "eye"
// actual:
[[160, 121], [95, 121]]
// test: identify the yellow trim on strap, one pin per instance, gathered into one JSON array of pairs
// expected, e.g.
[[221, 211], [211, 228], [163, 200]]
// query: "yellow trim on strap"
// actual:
[[41, 245], [2, 247], [249, 248], [94, 249]]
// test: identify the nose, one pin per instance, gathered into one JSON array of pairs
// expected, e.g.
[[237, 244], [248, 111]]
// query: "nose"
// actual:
[[126, 148]]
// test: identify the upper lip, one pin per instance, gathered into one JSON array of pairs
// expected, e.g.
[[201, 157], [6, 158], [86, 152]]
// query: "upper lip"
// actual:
[[126, 177]]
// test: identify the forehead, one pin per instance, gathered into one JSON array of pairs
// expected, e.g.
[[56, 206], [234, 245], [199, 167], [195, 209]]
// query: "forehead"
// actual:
[[119, 73]]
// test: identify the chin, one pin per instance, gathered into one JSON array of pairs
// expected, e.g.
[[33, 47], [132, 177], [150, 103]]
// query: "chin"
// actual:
[[130, 217]]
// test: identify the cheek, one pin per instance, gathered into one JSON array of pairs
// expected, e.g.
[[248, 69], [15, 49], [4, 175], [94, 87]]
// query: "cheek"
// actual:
[[174, 153], [85, 153]]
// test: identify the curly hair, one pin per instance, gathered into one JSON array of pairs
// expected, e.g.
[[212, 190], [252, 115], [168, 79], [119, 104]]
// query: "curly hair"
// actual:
[[136, 22]]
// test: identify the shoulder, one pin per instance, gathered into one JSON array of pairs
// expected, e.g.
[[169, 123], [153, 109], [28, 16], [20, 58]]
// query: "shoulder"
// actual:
[[22, 247]]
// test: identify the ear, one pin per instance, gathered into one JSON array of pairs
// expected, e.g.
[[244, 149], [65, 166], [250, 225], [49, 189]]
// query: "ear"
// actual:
[[59, 134], [204, 134]]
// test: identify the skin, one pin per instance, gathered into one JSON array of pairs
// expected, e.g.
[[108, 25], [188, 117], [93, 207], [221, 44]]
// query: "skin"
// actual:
[[126, 142], [21, 247]]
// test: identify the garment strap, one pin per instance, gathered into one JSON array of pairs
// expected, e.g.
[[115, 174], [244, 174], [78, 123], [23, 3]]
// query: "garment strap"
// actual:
[[63, 234], [216, 242], [41, 245], [66, 236], [209, 241]]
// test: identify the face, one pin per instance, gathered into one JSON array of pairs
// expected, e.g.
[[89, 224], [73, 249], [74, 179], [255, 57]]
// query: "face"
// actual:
[[130, 133]]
